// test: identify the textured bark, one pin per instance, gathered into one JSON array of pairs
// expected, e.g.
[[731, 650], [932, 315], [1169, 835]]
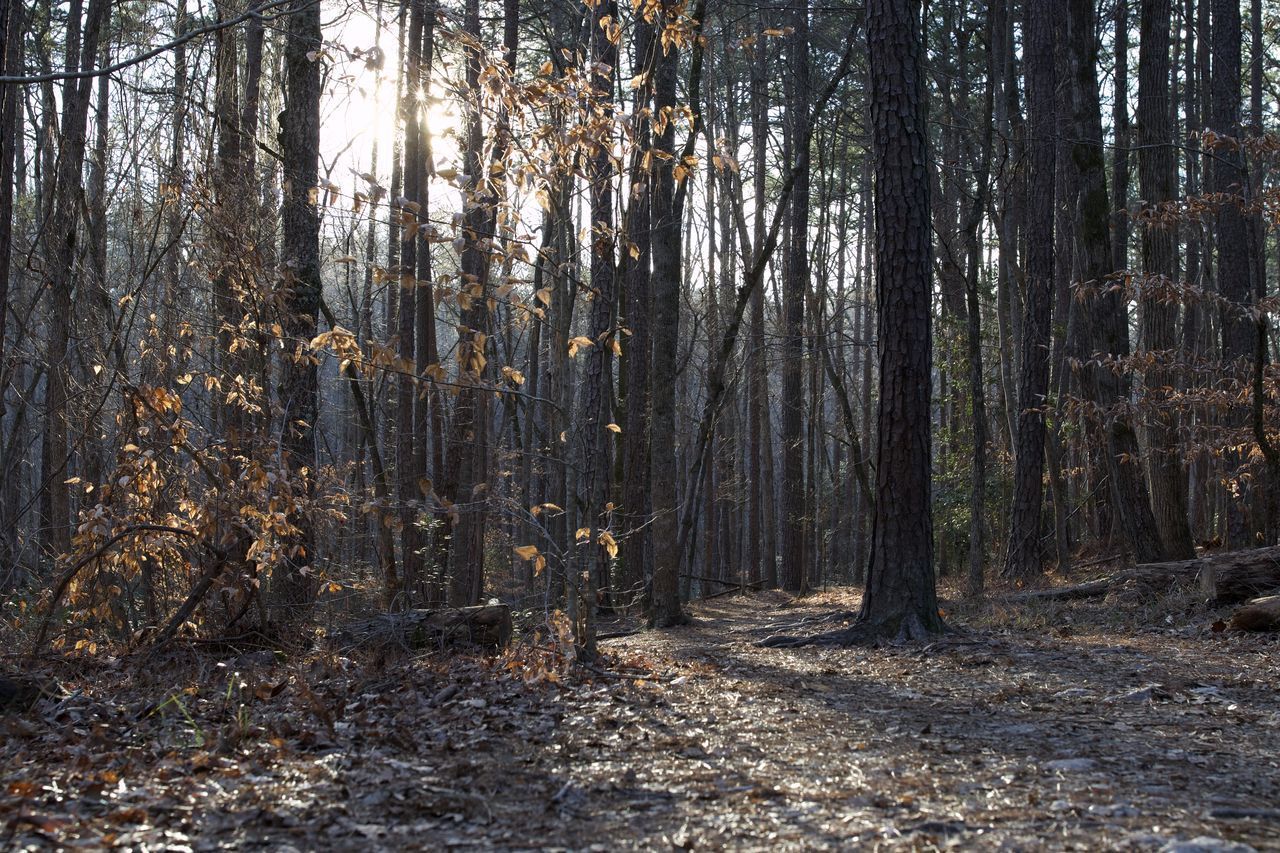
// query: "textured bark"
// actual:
[[637, 348], [1159, 312], [665, 608], [900, 598], [1238, 575], [61, 250], [1234, 262], [795, 288], [1023, 560], [294, 586], [1104, 330]]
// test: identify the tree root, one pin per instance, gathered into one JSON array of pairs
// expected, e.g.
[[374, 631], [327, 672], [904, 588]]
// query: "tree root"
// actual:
[[894, 631]]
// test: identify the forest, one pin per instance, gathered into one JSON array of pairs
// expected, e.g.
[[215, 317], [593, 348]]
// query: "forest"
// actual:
[[571, 424]]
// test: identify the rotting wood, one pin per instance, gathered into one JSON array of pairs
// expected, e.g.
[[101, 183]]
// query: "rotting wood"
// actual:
[[1240, 575], [487, 625], [1222, 578], [1261, 614]]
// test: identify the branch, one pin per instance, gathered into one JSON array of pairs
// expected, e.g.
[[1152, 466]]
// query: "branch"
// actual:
[[55, 76], [69, 574]]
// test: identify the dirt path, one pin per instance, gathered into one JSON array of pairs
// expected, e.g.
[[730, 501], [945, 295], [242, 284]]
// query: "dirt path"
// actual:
[[1032, 744], [695, 738]]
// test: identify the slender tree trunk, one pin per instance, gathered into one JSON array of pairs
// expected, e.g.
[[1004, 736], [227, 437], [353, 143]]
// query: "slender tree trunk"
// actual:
[[61, 250], [666, 250], [1234, 262], [1023, 561], [591, 440], [794, 576], [637, 349], [295, 588]]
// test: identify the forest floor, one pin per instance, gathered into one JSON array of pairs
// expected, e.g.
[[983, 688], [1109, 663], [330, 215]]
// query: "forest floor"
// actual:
[[1074, 726]]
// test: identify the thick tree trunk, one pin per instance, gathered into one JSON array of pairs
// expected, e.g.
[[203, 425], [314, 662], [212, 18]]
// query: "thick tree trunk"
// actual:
[[900, 598], [1104, 327], [1238, 575], [1159, 314]]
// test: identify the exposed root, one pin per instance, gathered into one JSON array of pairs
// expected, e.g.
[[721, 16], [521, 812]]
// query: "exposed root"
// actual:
[[899, 630]]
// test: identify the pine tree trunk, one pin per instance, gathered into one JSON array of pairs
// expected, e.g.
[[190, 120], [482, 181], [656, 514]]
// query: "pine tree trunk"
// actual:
[[900, 599], [1159, 314], [1023, 561]]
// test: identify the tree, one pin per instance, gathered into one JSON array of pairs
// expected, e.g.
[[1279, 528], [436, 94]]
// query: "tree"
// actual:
[[794, 574], [1023, 560], [1231, 229], [294, 585], [666, 609], [899, 600], [1156, 178], [1105, 325]]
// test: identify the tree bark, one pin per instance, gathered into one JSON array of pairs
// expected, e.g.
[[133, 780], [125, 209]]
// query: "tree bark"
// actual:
[[294, 588], [1023, 561], [794, 577], [1104, 330], [900, 598], [1159, 315]]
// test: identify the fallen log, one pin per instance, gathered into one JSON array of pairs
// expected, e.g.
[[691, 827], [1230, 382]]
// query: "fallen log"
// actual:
[[1261, 614], [1240, 575], [1222, 578], [487, 625], [1143, 579]]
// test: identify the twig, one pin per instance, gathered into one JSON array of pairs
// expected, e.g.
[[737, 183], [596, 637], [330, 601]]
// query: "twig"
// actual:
[[69, 574]]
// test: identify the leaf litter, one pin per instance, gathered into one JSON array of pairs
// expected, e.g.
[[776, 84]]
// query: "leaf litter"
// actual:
[[1012, 735]]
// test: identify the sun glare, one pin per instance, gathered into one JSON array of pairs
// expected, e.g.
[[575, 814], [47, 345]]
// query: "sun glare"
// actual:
[[362, 95]]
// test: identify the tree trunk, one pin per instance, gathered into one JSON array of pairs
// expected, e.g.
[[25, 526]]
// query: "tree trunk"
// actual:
[[1159, 315], [796, 286], [1104, 327], [597, 380], [61, 250], [900, 598], [294, 586], [1234, 261], [1023, 561], [666, 248]]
